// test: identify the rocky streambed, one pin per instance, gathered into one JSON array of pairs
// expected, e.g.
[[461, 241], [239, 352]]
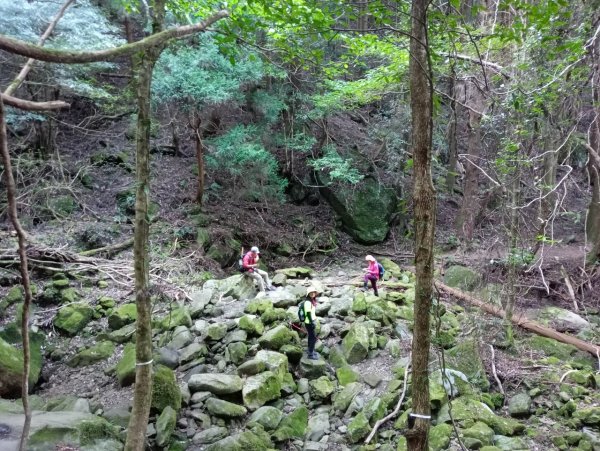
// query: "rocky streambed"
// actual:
[[230, 372]]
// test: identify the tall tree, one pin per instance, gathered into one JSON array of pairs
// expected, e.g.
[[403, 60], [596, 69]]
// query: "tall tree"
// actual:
[[421, 102]]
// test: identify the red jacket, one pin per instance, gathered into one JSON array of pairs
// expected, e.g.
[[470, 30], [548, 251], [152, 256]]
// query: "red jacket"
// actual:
[[249, 259]]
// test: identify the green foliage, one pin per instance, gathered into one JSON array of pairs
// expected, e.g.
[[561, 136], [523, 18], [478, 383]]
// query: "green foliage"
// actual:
[[195, 75], [339, 169], [241, 153], [270, 105]]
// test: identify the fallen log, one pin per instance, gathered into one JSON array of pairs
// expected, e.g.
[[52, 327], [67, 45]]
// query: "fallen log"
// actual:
[[109, 250], [520, 320]]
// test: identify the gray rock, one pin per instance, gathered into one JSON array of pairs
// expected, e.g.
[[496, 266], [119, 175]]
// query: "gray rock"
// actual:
[[210, 435], [200, 299], [303, 386], [165, 424], [251, 367], [168, 357], [181, 338], [312, 369], [225, 409], [260, 389], [267, 416], [275, 362], [192, 352], [318, 426], [219, 384], [519, 405], [216, 332], [236, 336], [282, 298]]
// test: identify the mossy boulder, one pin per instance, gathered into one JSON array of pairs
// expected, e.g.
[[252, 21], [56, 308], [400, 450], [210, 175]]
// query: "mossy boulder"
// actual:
[[465, 357], [260, 389], [165, 390], [267, 416], [165, 425], [343, 398], [462, 277], [273, 315], [551, 348], [356, 343], [216, 332], [252, 325], [179, 316], [297, 272], [126, 367], [321, 388], [219, 384], [312, 369], [71, 319], [359, 303], [293, 352], [224, 409], [14, 295], [346, 375], [589, 416], [244, 441], [439, 437], [96, 353], [251, 367], [258, 306], [519, 406], [358, 428], [276, 337], [392, 269], [237, 352], [355, 206], [97, 430], [121, 316], [274, 361], [11, 370], [481, 432], [293, 425]]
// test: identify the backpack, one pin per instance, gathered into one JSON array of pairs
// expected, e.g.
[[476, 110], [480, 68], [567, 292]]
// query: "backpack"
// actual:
[[241, 265], [301, 312], [381, 270]]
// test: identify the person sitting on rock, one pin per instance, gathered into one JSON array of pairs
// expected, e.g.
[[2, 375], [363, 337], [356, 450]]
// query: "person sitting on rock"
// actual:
[[250, 266], [372, 274], [310, 321]]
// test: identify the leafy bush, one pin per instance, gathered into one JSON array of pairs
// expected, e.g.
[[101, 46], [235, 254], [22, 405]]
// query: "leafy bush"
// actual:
[[252, 167], [338, 168]]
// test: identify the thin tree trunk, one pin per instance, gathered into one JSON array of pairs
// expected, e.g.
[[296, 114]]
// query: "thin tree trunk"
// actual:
[[143, 67], [22, 237], [452, 144], [196, 126], [513, 230], [28, 65], [421, 100]]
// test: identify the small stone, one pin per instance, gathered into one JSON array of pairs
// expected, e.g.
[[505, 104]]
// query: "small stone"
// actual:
[[219, 384], [267, 416], [519, 405], [216, 332], [251, 367], [225, 409], [321, 388], [372, 379], [210, 435]]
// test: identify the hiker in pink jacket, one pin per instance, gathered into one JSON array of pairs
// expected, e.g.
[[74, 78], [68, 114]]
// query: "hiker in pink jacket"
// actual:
[[372, 274]]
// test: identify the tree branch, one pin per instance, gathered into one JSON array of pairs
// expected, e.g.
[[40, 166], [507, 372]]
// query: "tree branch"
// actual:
[[497, 67], [70, 57], [27, 67], [28, 105]]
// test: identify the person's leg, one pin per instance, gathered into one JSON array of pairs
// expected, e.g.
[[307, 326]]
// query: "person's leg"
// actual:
[[312, 339], [365, 286], [265, 276], [374, 285], [259, 280]]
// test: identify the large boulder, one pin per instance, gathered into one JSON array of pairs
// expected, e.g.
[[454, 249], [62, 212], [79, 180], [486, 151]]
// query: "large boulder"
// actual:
[[276, 337], [165, 390], [251, 324], [356, 343], [121, 316], [355, 205], [292, 426], [165, 425], [462, 277], [465, 357], [96, 353], [260, 389], [274, 361], [126, 366], [560, 319], [218, 384], [71, 319], [11, 365], [238, 286]]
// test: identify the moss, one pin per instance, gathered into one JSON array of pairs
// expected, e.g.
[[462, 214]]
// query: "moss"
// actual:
[[439, 437], [100, 351], [462, 277], [96, 429], [47, 437], [165, 390], [126, 366], [261, 389], [165, 425], [465, 358], [177, 317], [346, 375], [292, 426], [73, 318], [121, 316], [552, 348]]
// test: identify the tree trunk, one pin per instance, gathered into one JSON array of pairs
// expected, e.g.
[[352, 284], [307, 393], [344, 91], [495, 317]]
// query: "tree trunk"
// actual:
[[22, 236], [421, 101], [470, 205], [452, 144], [196, 126], [144, 65], [593, 214]]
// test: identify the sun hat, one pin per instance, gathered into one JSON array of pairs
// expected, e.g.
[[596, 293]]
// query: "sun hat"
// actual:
[[370, 258], [310, 290], [255, 249]]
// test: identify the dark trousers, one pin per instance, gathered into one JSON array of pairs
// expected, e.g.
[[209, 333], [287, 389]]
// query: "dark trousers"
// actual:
[[373, 280], [312, 337]]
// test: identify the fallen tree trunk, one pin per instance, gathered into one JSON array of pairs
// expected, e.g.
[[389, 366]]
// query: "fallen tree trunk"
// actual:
[[520, 320], [109, 250]]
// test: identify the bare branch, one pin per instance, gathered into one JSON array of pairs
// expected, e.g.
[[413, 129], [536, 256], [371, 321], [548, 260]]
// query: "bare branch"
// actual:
[[28, 105], [70, 57]]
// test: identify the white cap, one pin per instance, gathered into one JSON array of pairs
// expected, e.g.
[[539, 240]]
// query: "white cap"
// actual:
[[370, 258], [255, 249]]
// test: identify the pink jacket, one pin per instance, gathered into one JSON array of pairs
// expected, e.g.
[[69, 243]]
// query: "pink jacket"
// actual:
[[373, 269]]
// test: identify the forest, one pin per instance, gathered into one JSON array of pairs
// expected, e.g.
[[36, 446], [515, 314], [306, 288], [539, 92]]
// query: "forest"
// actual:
[[299, 225]]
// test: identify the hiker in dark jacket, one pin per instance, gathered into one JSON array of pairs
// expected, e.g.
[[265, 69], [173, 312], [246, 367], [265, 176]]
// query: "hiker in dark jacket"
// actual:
[[372, 274], [310, 321]]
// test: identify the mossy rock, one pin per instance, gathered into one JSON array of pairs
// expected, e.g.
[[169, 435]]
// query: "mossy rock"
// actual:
[[439, 437], [321, 388], [465, 357], [358, 428], [356, 343], [252, 325], [95, 429], [347, 375], [237, 352], [273, 315], [243, 441], [62, 206], [296, 272], [121, 316], [481, 432], [14, 295], [179, 316], [126, 367], [165, 390], [276, 338], [267, 416], [392, 269], [165, 425], [225, 409], [258, 306], [11, 366], [359, 303], [69, 295], [462, 277], [355, 206], [71, 319], [551, 348], [293, 425], [260, 389], [100, 351]]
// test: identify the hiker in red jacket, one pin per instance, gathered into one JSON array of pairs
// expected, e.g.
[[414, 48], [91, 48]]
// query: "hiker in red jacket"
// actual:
[[372, 274], [250, 266]]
